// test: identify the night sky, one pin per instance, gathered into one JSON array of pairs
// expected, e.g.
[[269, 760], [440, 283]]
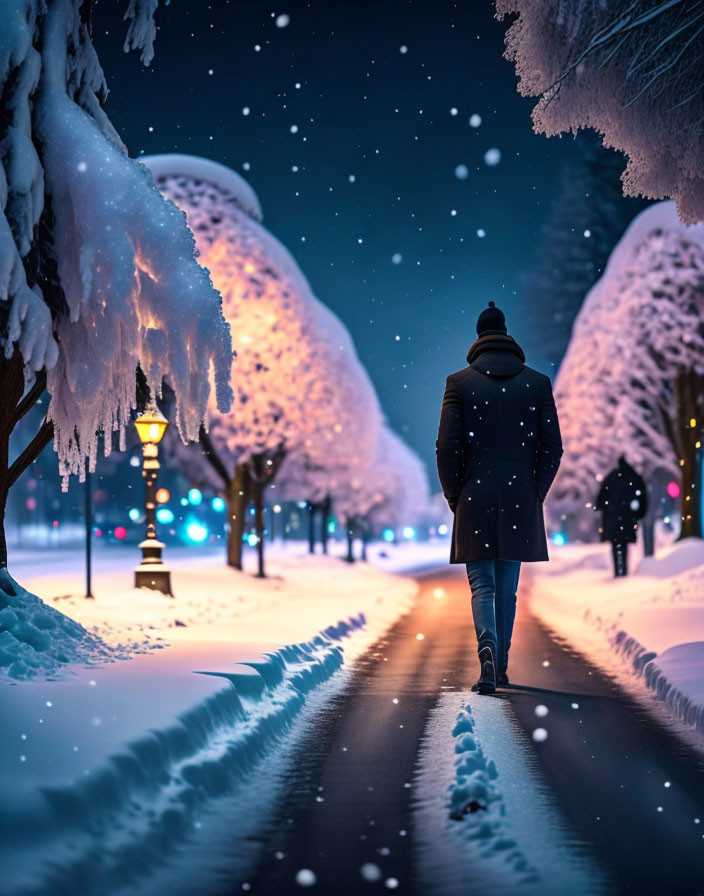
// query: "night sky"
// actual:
[[350, 123]]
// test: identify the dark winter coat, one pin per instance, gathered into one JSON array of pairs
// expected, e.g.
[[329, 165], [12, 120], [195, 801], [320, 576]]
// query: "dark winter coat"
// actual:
[[498, 451], [623, 500]]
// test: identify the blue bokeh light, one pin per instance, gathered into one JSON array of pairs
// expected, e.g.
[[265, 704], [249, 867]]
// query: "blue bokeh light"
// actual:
[[164, 515], [196, 532]]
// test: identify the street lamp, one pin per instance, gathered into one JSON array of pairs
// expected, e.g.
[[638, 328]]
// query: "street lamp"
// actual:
[[151, 572]]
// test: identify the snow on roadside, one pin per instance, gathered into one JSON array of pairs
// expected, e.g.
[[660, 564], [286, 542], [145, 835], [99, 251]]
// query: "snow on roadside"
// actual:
[[106, 773], [646, 629], [482, 818], [213, 602], [37, 640]]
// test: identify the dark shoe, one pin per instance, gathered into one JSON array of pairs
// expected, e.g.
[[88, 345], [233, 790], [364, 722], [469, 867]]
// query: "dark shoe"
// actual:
[[502, 680], [487, 678]]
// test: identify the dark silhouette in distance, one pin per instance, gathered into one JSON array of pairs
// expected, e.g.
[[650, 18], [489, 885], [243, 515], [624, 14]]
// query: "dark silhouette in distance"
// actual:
[[498, 450], [623, 501]]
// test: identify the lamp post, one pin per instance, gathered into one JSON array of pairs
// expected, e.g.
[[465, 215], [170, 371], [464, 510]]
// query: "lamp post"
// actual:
[[151, 572]]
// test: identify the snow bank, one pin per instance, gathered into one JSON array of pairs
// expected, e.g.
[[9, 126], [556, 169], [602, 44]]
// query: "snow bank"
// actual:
[[105, 774], [37, 640], [85, 829], [647, 629]]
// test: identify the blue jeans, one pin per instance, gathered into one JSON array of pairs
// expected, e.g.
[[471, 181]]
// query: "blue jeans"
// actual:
[[493, 584]]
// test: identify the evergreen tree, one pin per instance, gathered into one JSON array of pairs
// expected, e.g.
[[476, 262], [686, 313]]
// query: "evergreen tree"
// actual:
[[586, 221]]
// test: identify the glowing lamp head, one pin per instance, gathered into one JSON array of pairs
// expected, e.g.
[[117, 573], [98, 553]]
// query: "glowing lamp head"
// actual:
[[151, 425]]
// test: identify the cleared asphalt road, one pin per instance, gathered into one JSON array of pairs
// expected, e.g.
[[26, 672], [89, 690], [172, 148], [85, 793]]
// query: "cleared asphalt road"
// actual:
[[628, 789]]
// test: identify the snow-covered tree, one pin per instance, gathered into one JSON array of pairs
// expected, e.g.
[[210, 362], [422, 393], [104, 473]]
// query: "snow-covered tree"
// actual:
[[299, 387], [344, 425], [633, 70], [631, 381], [586, 220], [98, 277], [401, 490], [392, 491]]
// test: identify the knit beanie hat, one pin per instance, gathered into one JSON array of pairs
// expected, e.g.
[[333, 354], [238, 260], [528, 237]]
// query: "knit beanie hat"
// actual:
[[491, 322]]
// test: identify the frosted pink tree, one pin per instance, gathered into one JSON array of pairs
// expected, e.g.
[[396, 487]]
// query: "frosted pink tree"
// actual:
[[267, 299], [345, 419], [98, 277], [402, 497], [298, 384], [632, 71], [631, 381], [392, 491]]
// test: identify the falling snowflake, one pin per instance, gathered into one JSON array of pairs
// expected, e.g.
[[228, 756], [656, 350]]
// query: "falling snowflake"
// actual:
[[306, 878], [396, 258], [539, 735], [370, 872], [283, 20], [475, 120], [461, 172], [492, 157]]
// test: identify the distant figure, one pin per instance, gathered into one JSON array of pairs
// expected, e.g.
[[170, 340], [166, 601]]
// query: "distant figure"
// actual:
[[622, 500], [498, 451]]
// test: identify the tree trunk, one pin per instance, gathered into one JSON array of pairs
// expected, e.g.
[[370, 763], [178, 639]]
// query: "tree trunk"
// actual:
[[262, 470], [13, 407], [311, 527], [258, 484], [687, 428], [365, 541], [88, 507], [3, 539], [237, 499], [350, 541], [324, 523], [648, 529]]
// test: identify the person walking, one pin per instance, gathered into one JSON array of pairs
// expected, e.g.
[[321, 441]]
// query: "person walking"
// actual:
[[623, 501], [498, 450]]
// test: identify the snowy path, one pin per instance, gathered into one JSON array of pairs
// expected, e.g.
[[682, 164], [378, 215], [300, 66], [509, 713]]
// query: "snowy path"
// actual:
[[607, 803]]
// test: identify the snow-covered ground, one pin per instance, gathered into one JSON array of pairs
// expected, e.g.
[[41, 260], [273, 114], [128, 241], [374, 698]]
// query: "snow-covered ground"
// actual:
[[473, 756], [110, 766], [646, 629]]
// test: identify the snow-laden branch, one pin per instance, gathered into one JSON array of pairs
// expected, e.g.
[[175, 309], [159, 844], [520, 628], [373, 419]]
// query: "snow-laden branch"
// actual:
[[632, 71], [97, 271]]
